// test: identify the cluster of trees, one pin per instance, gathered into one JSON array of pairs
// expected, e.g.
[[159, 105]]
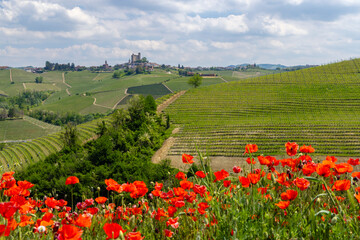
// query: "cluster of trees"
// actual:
[[61, 119], [59, 67], [12, 112], [195, 80], [130, 71], [39, 79], [122, 152], [13, 107]]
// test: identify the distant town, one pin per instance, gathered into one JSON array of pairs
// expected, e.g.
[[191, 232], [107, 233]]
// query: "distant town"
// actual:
[[138, 62]]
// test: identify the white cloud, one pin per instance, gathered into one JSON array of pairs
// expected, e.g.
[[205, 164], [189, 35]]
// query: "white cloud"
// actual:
[[282, 28]]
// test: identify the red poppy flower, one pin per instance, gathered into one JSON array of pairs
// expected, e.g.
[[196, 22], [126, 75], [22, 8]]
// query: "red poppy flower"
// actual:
[[353, 162], [302, 183], [168, 233], [291, 148], [283, 205], [251, 148], [199, 189], [253, 177], [220, 175], [289, 195], [236, 169], [187, 159], [134, 236], [112, 230], [173, 222], [180, 176], [83, 220], [307, 149], [226, 183], [245, 182], [341, 185], [323, 170], [71, 180], [342, 168], [250, 161], [69, 232], [200, 174], [100, 200]]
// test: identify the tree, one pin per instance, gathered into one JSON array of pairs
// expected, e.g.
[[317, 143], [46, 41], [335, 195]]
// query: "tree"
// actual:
[[195, 80], [39, 79], [139, 69], [116, 74], [71, 136]]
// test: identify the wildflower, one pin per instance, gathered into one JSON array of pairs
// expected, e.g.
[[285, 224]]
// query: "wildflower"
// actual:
[[302, 183], [180, 176], [69, 232], [253, 177], [353, 162], [187, 159], [168, 233], [250, 161], [289, 195], [227, 183], [245, 182], [236, 169], [341, 185], [220, 175], [200, 174], [291, 148], [283, 204], [173, 222], [307, 149], [251, 148], [342, 168], [71, 180], [323, 170], [100, 200], [112, 230], [83, 220], [134, 236]]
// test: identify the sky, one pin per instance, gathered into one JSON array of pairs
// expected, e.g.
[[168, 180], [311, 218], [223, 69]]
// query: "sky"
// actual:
[[187, 32]]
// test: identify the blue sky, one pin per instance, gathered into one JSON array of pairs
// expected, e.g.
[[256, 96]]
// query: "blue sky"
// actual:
[[186, 32]]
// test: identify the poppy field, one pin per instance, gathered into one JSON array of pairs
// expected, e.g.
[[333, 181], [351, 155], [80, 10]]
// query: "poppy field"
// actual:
[[290, 198], [318, 106]]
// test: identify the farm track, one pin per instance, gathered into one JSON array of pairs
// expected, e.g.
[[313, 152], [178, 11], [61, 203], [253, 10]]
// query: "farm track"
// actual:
[[126, 94], [11, 79], [169, 101]]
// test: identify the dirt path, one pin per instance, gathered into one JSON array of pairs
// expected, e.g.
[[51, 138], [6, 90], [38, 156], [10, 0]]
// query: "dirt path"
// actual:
[[24, 86], [94, 103], [165, 104], [223, 79], [11, 80], [67, 91], [161, 154], [63, 77], [126, 94], [167, 87]]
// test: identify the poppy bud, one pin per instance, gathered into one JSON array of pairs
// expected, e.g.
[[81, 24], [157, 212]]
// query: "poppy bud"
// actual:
[[156, 230], [355, 179], [151, 196]]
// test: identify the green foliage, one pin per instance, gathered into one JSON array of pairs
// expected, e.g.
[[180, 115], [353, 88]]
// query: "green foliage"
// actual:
[[60, 119], [70, 136], [123, 152], [39, 79], [195, 80]]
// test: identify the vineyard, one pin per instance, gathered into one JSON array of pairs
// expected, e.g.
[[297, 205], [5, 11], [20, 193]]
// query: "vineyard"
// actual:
[[318, 106], [19, 155]]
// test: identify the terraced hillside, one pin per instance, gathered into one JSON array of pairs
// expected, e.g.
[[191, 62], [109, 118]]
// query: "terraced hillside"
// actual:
[[19, 155], [318, 106]]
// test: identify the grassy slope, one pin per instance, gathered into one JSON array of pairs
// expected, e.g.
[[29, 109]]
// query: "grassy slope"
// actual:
[[317, 106], [20, 129]]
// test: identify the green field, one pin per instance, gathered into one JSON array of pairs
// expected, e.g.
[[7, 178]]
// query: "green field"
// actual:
[[318, 106], [22, 129]]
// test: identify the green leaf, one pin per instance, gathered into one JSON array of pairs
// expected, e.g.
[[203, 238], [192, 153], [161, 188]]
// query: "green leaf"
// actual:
[[323, 212], [312, 179]]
